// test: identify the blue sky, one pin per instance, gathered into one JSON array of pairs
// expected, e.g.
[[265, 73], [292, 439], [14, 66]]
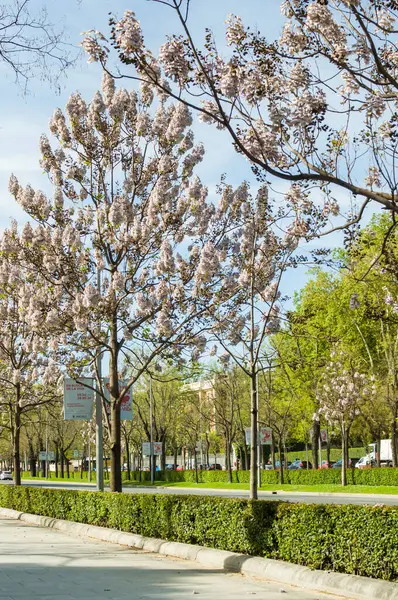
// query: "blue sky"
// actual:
[[23, 119]]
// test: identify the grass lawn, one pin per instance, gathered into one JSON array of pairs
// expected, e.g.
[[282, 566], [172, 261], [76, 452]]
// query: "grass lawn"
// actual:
[[322, 488], [335, 454]]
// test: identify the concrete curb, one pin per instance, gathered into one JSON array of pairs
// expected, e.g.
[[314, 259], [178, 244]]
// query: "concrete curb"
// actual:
[[345, 586]]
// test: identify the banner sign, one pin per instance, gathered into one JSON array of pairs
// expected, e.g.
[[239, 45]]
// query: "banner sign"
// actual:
[[248, 436], [265, 436], [146, 448], [46, 456], [324, 436], [78, 399], [126, 407], [157, 448]]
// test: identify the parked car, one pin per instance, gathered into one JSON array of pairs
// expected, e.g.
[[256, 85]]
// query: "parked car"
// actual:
[[268, 467], [339, 463], [6, 475], [286, 464], [365, 462], [299, 465], [215, 467], [170, 467], [203, 467], [326, 465], [180, 468]]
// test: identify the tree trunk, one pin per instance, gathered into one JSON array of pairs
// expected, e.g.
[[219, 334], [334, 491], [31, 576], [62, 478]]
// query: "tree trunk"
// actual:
[[116, 475], [56, 460], [32, 459], [281, 461], [315, 433], [62, 463], [228, 460], [175, 457], [128, 458], [328, 451], [67, 466], [343, 456], [394, 443], [16, 440], [253, 424], [378, 448], [163, 455]]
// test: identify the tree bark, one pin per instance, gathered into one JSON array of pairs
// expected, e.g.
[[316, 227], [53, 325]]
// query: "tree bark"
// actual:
[[253, 424], [343, 456], [228, 459], [116, 475], [315, 433], [16, 440], [56, 460], [281, 461], [394, 444], [378, 448], [32, 460]]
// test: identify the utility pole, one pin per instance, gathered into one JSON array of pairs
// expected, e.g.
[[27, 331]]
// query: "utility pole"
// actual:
[[99, 441]]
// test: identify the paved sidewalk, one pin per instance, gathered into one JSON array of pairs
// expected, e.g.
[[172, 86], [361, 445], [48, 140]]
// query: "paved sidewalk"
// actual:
[[43, 564]]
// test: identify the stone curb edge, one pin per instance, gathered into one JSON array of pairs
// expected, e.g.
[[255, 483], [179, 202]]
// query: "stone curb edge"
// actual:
[[345, 586]]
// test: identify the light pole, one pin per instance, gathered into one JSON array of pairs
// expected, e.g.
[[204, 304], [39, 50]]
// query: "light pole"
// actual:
[[99, 441]]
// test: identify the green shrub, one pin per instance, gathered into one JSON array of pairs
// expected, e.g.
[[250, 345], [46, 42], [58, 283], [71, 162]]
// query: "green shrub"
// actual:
[[382, 476], [362, 540]]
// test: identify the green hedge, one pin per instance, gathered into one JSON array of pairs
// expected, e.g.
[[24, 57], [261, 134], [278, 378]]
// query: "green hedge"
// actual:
[[362, 540], [382, 476]]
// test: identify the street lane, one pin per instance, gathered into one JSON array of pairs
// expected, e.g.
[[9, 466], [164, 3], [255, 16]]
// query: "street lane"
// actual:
[[306, 497], [45, 564]]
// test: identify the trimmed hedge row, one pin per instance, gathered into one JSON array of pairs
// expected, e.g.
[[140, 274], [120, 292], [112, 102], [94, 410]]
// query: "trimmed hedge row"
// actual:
[[381, 476], [360, 540]]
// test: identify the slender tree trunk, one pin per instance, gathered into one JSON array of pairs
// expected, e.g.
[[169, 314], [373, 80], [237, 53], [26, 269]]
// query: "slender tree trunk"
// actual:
[[32, 459], [163, 455], [394, 443], [62, 463], [175, 457], [343, 456], [328, 451], [253, 424], [228, 459], [56, 459], [128, 457], [378, 448], [315, 433], [16, 440], [273, 455], [281, 461], [67, 465], [116, 475]]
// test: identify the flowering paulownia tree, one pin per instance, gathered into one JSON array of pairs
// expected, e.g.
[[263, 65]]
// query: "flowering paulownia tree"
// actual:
[[341, 394], [125, 205], [316, 107], [262, 253], [27, 376]]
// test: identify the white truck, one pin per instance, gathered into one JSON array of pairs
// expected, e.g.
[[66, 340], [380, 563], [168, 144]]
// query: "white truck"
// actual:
[[385, 451]]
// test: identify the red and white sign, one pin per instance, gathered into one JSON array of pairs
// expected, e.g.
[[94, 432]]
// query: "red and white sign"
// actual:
[[324, 436], [126, 407], [157, 448], [265, 436]]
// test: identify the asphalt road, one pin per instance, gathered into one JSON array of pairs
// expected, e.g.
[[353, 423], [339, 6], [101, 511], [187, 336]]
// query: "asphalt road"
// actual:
[[307, 497]]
